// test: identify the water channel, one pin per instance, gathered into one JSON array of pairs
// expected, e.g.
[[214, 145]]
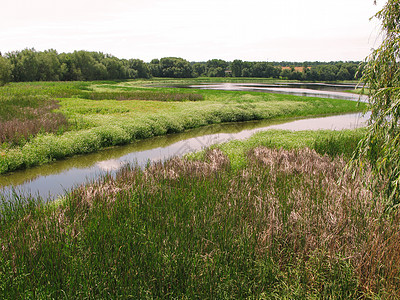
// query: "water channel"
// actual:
[[322, 90], [52, 180]]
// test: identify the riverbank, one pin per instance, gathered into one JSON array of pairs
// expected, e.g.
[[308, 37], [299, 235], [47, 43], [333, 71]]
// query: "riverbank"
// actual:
[[104, 114], [261, 218]]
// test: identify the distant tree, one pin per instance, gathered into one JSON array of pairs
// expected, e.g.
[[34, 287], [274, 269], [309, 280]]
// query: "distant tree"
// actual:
[[286, 73], [154, 67], [246, 72], [49, 67], [5, 71], [326, 72], [216, 72], [175, 67], [139, 67], [88, 66], [216, 67], [264, 70], [199, 69], [25, 65], [68, 69], [114, 68], [343, 74], [217, 63], [236, 67]]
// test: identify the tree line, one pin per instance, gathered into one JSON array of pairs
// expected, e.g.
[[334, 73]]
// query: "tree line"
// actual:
[[49, 65]]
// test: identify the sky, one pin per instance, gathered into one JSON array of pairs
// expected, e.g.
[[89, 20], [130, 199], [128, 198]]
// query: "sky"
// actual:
[[196, 30]]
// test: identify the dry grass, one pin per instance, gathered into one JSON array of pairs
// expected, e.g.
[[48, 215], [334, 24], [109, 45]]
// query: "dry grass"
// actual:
[[24, 122], [346, 221]]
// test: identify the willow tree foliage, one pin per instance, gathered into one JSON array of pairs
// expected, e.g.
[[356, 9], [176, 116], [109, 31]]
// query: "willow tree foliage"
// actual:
[[381, 76]]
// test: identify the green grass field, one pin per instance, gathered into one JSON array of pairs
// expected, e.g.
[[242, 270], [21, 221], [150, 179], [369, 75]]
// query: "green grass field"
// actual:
[[95, 115]]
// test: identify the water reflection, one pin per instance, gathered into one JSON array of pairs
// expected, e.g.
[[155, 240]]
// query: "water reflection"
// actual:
[[52, 180], [321, 90]]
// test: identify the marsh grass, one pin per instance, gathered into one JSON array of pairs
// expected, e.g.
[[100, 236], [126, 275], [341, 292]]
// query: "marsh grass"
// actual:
[[282, 226], [23, 117], [50, 89], [332, 143], [142, 95]]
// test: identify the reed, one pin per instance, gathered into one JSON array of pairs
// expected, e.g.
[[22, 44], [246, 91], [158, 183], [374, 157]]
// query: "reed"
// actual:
[[281, 226], [23, 117], [142, 95]]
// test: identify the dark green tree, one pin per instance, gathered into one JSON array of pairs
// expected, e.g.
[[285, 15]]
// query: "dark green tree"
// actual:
[[216, 67], [25, 65], [154, 67], [49, 67], [5, 71], [199, 69], [115, 68], [175, 67], [343, 74], [236, 67], [138, 67]]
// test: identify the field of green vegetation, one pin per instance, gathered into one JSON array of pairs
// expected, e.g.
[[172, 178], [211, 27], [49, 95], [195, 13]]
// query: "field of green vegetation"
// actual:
[[274, 217], [45, 121], [277, 216]]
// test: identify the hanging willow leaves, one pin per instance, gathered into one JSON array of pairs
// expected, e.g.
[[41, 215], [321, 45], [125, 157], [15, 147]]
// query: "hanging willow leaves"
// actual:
[[381, 76]]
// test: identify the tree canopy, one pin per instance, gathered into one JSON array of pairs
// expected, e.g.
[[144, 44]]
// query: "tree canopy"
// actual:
[[32, 65], [5, 71]]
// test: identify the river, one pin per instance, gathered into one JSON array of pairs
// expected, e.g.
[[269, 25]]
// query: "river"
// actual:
[[322, 90], [52, 180]]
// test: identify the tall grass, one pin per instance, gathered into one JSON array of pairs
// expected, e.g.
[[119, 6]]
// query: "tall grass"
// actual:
[[50, 89], [282, 226], [23, 117], [142, 95], [332, 143]]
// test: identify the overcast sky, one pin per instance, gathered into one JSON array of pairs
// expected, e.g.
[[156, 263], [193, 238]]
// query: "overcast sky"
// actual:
[[197, 30]]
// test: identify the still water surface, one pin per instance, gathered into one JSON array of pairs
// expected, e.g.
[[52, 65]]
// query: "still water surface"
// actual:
[[322, 90], [52, 180]]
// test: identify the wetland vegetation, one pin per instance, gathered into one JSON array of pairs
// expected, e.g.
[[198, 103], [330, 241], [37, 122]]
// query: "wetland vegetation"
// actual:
[[263, 218], [54, 120], [269, 217]]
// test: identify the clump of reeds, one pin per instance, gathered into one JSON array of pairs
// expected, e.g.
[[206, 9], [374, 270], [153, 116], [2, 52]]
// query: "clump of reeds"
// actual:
[[288, 224], [142, 95], [24, 117]]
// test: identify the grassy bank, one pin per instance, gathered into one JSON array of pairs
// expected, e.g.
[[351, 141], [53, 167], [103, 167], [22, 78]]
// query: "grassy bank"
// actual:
[[103, 114], [324, 142], [277, 224]]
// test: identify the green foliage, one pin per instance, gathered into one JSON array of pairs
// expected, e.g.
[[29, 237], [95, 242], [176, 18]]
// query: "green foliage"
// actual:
[[172, 67], [199, 69], [5, 71], [381, 75], [216, 68], [31, 65]]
